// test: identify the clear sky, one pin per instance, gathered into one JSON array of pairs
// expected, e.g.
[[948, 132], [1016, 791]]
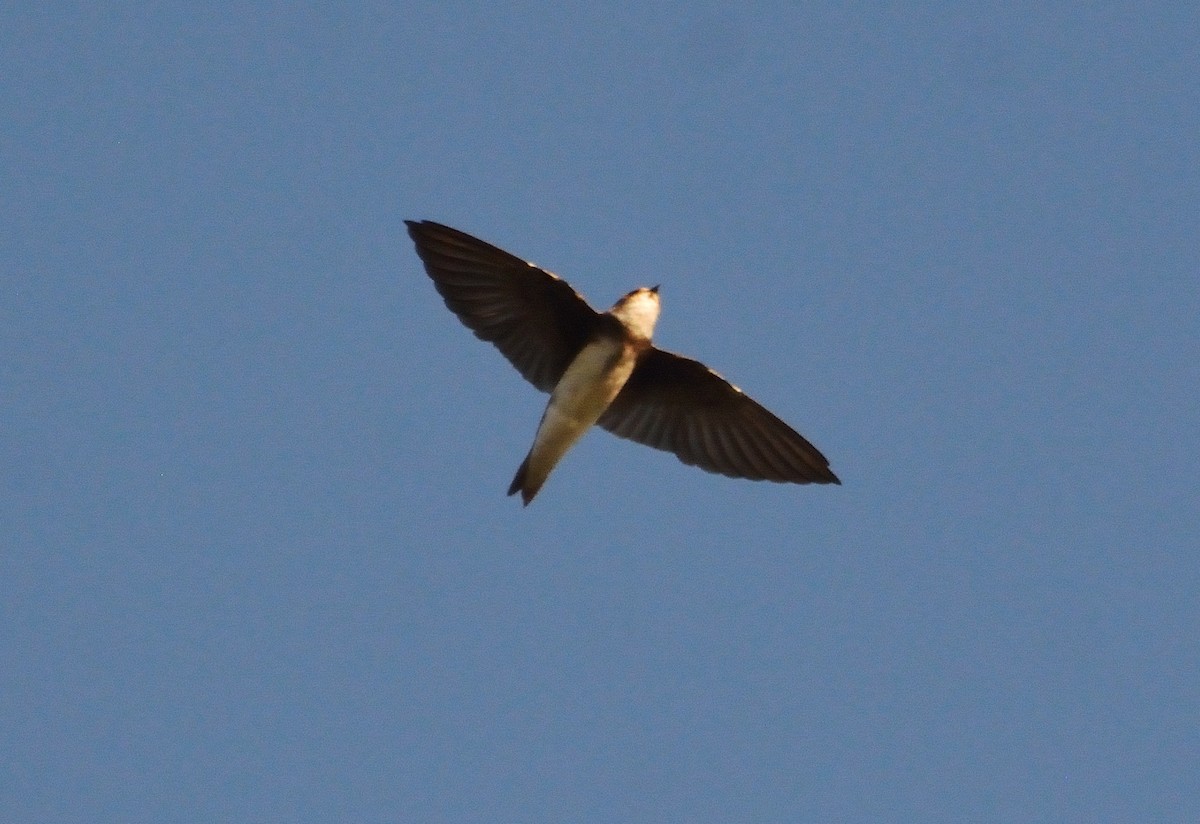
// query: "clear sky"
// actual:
[[256, 560]]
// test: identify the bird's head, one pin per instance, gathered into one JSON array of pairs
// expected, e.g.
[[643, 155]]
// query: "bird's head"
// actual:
[[638, 311]]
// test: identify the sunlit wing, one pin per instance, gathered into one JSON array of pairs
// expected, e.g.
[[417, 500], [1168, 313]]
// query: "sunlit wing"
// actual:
[[679, 405]]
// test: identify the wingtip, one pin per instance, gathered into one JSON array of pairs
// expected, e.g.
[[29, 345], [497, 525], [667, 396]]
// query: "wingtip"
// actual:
[[415, 227], [418, 229]]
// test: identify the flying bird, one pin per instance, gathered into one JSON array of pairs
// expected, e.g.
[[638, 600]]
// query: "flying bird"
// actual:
[[601, 368]]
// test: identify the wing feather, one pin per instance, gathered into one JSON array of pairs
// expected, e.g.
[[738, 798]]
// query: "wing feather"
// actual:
[[681, 406], [536, 320]]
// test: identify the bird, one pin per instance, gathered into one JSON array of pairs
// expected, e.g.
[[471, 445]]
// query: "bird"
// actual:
[[603, 368]]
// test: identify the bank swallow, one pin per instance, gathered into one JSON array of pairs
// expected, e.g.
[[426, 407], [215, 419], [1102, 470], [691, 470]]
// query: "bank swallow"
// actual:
[[600, 367]]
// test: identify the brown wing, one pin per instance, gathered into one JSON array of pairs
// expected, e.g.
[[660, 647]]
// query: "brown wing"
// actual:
[[680, 405], [533, 317]]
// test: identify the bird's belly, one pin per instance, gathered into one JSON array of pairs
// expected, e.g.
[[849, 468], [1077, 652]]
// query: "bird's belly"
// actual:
[[592, 381], [583, 393]]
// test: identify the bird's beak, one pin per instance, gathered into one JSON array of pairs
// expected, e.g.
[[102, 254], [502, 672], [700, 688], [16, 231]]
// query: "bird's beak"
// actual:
[[654, 288]]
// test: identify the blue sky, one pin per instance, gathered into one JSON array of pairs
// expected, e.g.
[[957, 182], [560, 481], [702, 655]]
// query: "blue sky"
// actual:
[[258, 564]]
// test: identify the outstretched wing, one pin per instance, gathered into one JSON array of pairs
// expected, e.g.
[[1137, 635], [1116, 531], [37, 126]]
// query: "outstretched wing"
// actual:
[[533, 317], [679, 405]]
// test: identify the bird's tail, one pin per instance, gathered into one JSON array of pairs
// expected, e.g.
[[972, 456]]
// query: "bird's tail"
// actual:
[[524, 483]]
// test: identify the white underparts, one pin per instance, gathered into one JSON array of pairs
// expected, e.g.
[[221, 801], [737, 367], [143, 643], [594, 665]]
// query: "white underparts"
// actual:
[[586, 389]]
